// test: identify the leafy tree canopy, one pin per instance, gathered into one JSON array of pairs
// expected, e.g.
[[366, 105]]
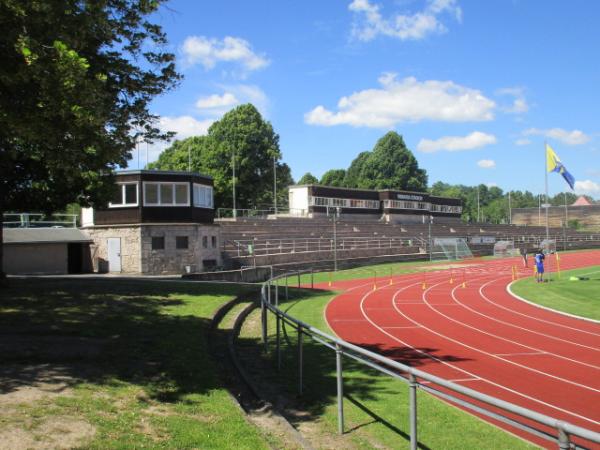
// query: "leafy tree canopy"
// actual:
[[244, 136], [389, 166], [308, 178], [334, 177], [76, 78]]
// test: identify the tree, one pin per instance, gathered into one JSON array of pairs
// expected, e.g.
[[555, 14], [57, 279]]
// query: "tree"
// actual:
[[76, 81], [308, 178], [244, 135], [389, 166], [354, 172], [334, 177]]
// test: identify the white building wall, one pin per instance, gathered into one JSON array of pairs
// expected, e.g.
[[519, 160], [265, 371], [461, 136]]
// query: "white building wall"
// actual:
[[298, 200]]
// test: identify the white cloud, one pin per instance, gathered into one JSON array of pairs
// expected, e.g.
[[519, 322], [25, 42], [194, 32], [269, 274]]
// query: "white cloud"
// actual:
[[575, 137], [588, 187], [491, 184], [522, 141], [210, 51], [476, 139], [217, 101], [184, 126], [486, 163], [407, 100], [216, 105], [519, 104], [370, 23]]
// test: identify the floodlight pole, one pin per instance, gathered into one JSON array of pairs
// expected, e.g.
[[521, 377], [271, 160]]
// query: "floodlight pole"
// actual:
[[477, 203], [546, 183], [233, 181], [336, 212], [275, 184], [430, 243], [509, 210], [566, 210]]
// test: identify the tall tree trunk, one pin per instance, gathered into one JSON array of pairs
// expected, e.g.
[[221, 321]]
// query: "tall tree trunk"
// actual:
[[3, 281]]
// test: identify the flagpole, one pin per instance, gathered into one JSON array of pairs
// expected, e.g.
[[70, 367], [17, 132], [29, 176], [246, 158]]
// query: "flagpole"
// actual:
[[546, 183]]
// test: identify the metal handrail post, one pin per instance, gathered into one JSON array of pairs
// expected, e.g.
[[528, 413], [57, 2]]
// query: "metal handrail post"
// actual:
[[278, 340], [564, 441], [300, 358], [412, 393], [286, 287], [312, 279], [340, 388], [298, 279], [263, 318]]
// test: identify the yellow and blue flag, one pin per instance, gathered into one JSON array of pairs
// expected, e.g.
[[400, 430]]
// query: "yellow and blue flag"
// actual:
[[553, 164]]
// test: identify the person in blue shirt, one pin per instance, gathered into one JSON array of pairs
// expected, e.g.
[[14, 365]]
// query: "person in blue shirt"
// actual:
[[539, 265]]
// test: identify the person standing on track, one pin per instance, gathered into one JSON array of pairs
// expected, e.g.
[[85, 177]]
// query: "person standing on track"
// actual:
[[524, 255], [539, 265]]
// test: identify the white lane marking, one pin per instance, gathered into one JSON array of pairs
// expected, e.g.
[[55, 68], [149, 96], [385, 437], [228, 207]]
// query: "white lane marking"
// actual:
[[541, 372], [455, 380], [487, 299], [470, 374], [392, 328], [522, 354], [562, 313]]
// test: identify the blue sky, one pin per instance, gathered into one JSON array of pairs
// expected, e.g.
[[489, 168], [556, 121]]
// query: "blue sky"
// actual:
[[474, 87]]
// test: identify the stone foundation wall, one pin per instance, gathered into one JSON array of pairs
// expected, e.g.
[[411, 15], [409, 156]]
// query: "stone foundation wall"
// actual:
[[137, 255], [130, 247]]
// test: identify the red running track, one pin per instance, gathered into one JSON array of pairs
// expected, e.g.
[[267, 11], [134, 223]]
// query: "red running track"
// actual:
[[481, 336]]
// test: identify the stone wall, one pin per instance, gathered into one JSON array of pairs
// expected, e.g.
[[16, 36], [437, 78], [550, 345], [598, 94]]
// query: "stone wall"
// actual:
[[137, 255], [130, 247], [201, 248]]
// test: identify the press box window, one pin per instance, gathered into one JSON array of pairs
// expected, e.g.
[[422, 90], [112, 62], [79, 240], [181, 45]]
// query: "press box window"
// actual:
[[181, 242], [158, 243], [166, 194], [203, 196], [214, 241], [126, 195]]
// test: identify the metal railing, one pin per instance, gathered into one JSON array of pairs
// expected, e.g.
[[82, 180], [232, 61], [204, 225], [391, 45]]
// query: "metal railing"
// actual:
[[557, 431], [254, 247], [230, 213], [35, 220]]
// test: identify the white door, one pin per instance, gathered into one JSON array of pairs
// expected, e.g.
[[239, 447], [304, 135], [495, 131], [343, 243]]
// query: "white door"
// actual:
[[114, 254]]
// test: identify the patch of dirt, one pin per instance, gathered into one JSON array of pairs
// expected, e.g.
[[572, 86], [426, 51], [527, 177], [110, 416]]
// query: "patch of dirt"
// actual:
[[60, 432], [26, 383]]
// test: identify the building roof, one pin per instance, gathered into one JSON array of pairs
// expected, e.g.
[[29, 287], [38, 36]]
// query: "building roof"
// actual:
[[581, 201], [162, 172], [44, 235]]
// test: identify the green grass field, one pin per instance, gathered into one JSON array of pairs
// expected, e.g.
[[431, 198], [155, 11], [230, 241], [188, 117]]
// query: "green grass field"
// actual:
[[376, 406], [581, 298], [132, 365], [376, 272]]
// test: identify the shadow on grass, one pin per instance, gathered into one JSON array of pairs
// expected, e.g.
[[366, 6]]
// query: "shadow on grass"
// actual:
[[108, 332], [362, 385]]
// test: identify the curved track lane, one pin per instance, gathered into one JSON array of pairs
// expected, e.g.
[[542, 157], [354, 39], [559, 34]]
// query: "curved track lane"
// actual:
[[479, 335]]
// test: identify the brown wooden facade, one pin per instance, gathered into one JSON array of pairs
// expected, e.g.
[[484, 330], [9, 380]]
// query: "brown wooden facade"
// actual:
[[156, 214]]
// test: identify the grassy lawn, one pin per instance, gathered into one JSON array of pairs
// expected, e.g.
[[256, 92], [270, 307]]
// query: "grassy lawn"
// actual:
[[375, 406], [376, 272], [581, 298], [114, 364]]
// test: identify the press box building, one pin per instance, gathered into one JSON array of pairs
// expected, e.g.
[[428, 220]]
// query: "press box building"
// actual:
[[159, 222], [390, 205]]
